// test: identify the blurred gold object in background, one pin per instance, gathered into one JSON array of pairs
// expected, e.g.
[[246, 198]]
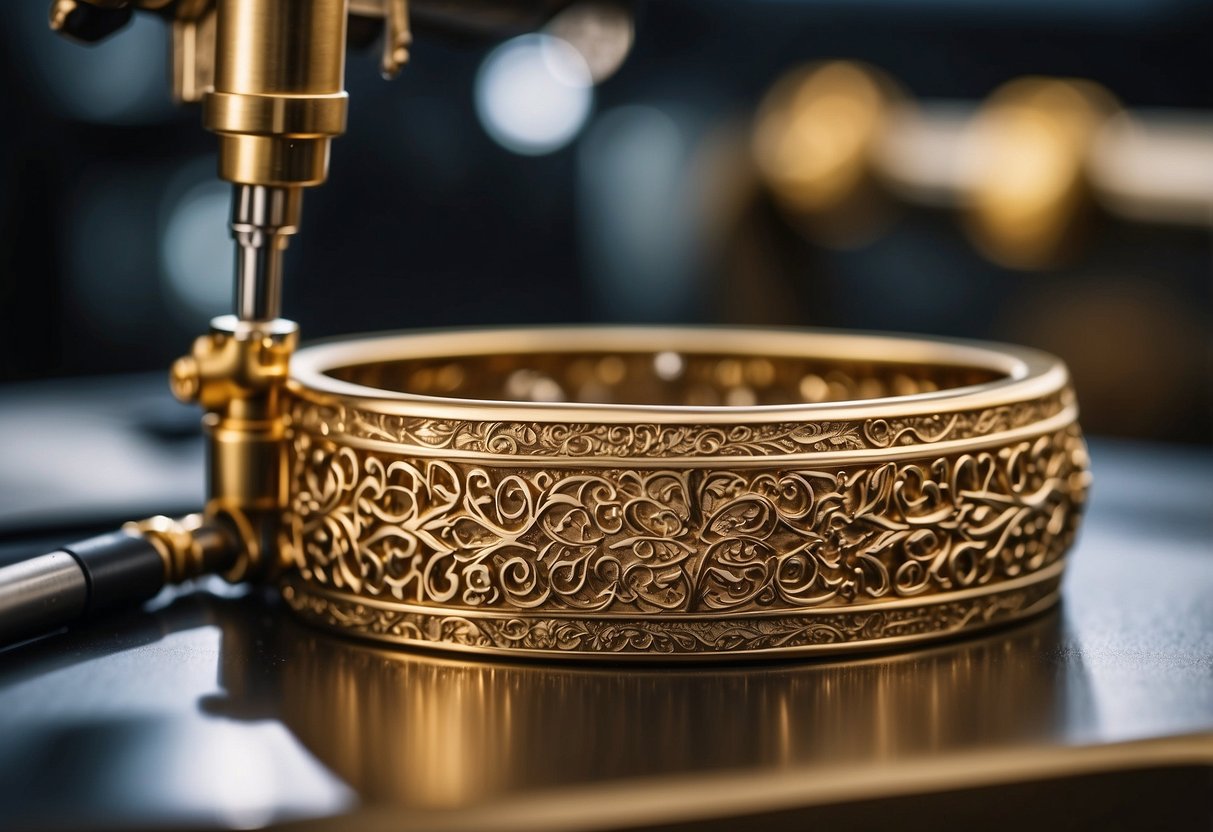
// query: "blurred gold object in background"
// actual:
[[1027, 149], [1025, 169], [814, 138]]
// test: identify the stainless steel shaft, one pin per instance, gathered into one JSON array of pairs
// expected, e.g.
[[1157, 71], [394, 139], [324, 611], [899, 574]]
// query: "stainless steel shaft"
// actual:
[[263, 220], [40, 594]]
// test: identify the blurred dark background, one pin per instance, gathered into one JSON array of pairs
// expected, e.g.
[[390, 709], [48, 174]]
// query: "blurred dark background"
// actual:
[[467, 192]]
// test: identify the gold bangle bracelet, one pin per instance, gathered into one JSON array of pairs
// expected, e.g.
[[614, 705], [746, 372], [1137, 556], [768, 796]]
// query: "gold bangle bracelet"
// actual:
[[676, 493]]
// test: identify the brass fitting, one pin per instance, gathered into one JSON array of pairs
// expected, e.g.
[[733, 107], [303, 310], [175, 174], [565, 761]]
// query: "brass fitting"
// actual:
[[278, 97], [190, 546], [237, 372]]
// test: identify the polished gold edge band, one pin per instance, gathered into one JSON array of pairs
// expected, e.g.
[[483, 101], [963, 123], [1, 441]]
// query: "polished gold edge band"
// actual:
[[810, 632]]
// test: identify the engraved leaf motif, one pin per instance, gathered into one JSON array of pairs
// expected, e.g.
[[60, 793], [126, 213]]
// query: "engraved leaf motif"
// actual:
[[451, 533], [749, 516]]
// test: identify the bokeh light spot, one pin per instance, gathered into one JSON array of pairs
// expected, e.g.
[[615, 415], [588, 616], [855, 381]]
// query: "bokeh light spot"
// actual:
[[534, 93], [196, 251]]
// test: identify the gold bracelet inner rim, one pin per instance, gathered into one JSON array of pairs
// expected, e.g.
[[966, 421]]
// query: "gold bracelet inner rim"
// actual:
[[623, 374]]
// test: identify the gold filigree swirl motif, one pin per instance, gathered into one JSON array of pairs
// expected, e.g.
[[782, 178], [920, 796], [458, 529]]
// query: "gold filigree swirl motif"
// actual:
[[585, 520]]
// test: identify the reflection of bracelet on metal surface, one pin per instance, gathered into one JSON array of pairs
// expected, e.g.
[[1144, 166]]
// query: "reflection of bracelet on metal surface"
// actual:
[[676, 492]]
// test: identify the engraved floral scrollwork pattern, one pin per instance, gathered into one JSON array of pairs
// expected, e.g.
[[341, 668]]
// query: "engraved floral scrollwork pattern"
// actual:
[[685, 540], [669, 637], [559, 439]]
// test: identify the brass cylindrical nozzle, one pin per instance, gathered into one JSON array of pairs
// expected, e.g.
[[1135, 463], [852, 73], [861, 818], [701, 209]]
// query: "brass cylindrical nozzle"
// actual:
[[278, 98]]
